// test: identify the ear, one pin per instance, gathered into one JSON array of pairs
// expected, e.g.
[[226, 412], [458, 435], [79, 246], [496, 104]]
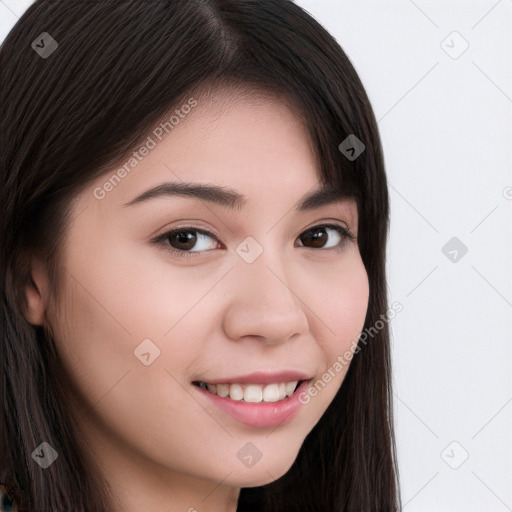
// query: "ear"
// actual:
[[36, 293]]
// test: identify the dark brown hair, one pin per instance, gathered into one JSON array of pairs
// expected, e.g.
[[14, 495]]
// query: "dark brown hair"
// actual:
[[119, 67]]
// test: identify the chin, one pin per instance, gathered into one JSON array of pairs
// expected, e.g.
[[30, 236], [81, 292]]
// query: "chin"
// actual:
[[260, 474]]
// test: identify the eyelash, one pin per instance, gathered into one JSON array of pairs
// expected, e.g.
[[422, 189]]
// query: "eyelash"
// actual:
[[346, 236]]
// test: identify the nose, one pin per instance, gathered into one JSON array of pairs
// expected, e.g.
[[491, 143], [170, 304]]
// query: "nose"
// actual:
[[265, 302]]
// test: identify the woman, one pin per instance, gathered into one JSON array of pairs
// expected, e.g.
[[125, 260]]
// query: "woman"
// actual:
[[236, 134]]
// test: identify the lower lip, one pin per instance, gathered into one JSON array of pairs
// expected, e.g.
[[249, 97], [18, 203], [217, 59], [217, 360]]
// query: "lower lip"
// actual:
[[260, 414]]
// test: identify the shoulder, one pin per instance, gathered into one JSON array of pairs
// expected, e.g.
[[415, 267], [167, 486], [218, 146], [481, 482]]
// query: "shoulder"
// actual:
[[6, 504]]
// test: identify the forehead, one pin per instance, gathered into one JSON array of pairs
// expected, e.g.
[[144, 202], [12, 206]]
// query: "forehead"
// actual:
[[252, 142], [245, 131], [228, 133]]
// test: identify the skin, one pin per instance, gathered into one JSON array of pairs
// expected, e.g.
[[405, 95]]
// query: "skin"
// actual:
[[160, 444]]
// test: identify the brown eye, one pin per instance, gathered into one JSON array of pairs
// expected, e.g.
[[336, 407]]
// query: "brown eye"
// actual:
[[187, 241], [184, 240], [315, 237], [190, 241], [318, 236]]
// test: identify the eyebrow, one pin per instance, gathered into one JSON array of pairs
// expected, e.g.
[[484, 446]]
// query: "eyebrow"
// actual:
[[231, 199]]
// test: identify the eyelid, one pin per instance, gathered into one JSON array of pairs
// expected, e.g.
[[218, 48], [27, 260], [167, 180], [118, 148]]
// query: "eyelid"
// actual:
[[332, 224], [159, 238], [329, 222]]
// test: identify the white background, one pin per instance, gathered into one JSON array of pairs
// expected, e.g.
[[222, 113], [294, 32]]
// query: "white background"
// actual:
[[446, 127]]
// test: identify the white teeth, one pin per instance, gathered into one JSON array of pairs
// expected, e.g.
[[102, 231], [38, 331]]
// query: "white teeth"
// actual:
[[223, 390], [290, 387], [253, 393], [236, 392], [271, 393]]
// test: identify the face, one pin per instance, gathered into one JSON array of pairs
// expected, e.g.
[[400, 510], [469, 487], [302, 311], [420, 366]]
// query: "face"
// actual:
[[251, 296]]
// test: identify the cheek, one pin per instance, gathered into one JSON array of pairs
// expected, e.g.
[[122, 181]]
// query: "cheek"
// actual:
[[344, 307], [113, 307], [341, 304], [107, 310], [96, 336]]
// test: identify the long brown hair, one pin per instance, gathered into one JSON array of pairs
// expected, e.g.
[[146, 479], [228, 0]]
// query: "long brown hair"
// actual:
[[119, 67]]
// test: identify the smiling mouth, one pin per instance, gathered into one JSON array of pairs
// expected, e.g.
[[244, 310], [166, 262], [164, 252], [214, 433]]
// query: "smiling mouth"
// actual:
[[253, 393]]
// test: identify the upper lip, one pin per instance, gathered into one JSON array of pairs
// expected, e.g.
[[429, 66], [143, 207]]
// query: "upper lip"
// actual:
[[263, 377]]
